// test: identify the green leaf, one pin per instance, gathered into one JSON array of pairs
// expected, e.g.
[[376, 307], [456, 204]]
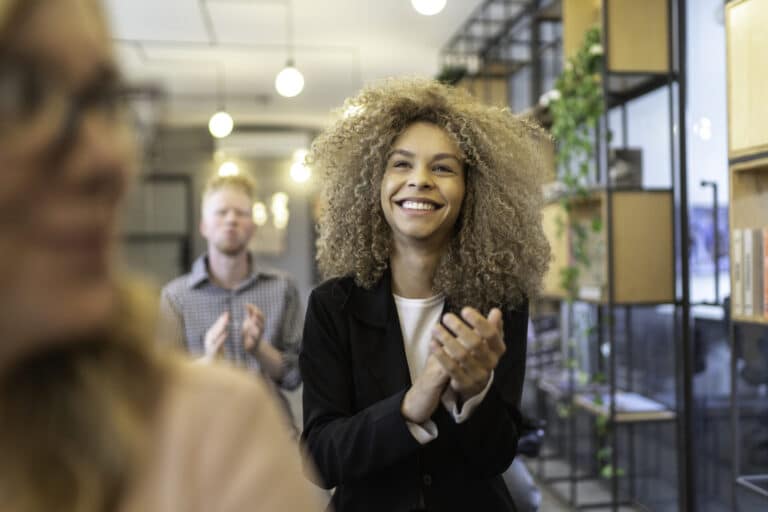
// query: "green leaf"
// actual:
[[608, 472]]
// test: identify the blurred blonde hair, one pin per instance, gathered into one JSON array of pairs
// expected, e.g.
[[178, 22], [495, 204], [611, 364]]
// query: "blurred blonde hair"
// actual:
[[241, 182], [5, 7], [76, 418], [498, 253]]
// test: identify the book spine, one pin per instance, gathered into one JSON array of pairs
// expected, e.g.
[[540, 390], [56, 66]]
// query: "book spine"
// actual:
[[765, 271], [757, 272], [747, 267], [737, 292]]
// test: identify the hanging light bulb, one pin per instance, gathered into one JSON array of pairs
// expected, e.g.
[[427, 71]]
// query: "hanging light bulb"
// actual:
[[300, 173], [289, 82], [279, 209], [221, 124], [259, 213], [229, 168], [299, 155], [428, 7]]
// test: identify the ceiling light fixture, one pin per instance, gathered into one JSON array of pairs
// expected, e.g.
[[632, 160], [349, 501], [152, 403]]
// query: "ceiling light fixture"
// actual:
[[229, 168], [260, 213], [428, 7], [279, 207], [221, 123], [289, 82], [300, 173]]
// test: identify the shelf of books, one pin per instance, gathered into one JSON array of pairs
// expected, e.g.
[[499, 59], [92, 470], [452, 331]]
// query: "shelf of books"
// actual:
[[747, 78], [749, 241], [642, 244]]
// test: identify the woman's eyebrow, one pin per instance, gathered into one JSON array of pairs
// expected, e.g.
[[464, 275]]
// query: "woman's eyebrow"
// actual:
[[403, 152], [443, 156]]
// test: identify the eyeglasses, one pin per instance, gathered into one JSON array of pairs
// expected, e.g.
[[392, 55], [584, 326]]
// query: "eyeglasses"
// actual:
[[34, 101]]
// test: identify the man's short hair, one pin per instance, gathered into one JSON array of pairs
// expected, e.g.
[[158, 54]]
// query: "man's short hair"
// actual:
[[241, 182]]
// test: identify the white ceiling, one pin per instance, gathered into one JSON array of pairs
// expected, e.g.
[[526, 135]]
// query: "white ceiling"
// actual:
[[339, 46]]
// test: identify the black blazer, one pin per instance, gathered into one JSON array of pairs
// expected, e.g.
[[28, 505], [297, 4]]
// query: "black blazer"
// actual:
[[355, 376]]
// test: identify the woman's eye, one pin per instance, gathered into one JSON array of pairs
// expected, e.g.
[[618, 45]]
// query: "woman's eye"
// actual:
[[443, 169], [401, 163]]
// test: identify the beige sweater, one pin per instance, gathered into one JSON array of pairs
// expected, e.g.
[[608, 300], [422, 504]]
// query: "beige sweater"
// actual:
[[220, 445]]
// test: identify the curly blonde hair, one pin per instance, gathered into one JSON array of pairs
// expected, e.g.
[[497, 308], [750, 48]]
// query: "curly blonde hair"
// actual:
[[498, 253]]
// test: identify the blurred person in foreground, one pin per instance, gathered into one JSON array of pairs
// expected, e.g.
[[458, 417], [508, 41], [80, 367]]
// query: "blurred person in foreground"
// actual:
[[228, 307], [91, 417]]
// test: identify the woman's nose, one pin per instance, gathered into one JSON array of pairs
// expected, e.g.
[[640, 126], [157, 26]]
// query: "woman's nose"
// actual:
[[100, 156], [421, 177]]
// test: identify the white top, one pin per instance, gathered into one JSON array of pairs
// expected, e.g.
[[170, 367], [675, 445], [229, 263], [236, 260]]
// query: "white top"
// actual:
[[417, 317]]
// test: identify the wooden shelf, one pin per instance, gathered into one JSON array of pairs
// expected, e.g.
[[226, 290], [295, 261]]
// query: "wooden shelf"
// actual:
[[747, 76], [642, 247], [556, 384], [757, 166], [750, 319], [637, 32], [623, 87], [748, 210], [630, 407]]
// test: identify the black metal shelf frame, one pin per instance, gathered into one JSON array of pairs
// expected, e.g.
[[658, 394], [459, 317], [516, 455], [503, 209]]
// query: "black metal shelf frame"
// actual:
[[757, 485], [506, 33]]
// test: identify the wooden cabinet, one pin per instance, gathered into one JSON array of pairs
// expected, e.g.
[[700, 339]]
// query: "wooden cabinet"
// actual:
[[642, 245], [747, 56], [635, 37], [553, 220]]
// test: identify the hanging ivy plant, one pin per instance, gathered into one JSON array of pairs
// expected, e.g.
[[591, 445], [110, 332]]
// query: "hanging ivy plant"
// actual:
[[451, 75], [576, 105]]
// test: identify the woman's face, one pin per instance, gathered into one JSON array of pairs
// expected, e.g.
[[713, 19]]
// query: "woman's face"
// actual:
[[423, 186], [59, 187]]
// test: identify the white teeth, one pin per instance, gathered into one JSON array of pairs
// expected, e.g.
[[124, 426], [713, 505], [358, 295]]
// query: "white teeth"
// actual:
[[413, 205]]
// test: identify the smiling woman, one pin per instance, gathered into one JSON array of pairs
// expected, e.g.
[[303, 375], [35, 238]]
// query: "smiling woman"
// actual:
[[498, 233], [414, 351]]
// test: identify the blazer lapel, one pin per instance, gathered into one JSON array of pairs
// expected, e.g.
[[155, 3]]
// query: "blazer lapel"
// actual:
[[380, 337]]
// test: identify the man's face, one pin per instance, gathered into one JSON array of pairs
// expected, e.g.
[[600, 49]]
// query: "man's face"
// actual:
[[227, 221]]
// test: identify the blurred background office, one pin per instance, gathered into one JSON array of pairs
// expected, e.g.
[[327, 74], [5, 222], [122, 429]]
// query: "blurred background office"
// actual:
[[654, 390]]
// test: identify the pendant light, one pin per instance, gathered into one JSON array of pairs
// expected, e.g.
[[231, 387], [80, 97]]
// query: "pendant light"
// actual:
[[221, 123], [289, 82], [428, 7]]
